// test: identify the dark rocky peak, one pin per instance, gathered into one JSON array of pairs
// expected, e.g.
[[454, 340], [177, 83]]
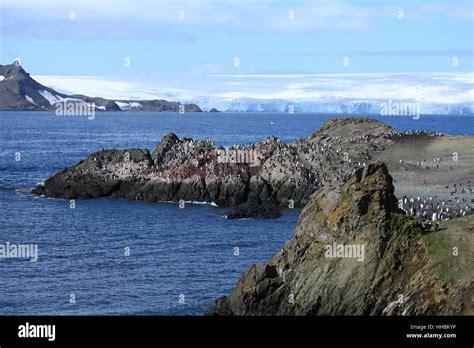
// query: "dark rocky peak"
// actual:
[[353, 254], [367, 198], [375, 181], [19, 91], [174, 151], [169, 138], [268, 145], [371, 193], [166, 143], [12, 70]]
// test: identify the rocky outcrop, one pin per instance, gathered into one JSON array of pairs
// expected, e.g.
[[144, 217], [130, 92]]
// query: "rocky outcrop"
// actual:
[[355, 253], [117, 170], [266, 173], [181, 169]]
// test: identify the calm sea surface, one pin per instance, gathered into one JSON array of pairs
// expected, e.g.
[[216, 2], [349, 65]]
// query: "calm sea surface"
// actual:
[[180, 260]]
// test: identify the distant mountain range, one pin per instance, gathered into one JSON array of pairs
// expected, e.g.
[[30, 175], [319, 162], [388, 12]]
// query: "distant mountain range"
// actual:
[[18, 91]]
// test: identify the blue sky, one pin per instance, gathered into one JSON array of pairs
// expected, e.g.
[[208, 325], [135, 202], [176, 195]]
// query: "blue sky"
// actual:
[[186, 41]]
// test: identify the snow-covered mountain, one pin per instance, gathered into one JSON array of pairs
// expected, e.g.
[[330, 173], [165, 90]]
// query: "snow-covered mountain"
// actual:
[[19, 91]]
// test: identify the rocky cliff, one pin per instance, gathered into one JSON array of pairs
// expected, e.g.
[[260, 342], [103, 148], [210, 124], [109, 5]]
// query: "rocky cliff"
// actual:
[[355, 253]]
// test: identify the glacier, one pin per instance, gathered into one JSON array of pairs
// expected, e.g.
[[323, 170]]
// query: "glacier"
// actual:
[[326, 105]]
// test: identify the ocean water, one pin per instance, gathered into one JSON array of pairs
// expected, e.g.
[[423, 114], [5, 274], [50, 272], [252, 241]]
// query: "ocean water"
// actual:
[[179, 261]]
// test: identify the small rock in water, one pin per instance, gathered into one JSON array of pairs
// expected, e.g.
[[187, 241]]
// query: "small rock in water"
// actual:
[[254, 211]]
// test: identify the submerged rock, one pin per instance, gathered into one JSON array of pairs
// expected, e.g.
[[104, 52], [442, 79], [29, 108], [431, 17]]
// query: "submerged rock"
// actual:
[[254, 211]]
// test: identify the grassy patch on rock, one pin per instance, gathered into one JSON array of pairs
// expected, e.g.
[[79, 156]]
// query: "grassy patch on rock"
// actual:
[[451, 250]]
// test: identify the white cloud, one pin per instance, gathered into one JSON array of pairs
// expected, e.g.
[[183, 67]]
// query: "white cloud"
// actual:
[[177, 19], [99, 87], [243, 16]]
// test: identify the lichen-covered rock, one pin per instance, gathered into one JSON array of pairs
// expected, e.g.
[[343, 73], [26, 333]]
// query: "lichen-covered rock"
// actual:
[[355, 253]]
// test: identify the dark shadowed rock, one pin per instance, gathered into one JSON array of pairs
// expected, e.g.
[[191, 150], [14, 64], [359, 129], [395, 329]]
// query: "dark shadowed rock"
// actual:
[[254, 211], [166, 143], [111, 106]]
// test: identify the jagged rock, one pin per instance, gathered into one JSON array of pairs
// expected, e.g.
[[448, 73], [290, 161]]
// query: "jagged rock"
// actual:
[[166, 143], [399, 271], [187, 169]]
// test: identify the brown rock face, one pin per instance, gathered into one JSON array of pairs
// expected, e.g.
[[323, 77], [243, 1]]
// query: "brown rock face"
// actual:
[[268, 172], [189, 170], [354, 253]]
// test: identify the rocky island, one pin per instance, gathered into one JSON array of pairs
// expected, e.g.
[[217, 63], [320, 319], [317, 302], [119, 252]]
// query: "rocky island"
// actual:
[[367, 242], [268, 172], [273, 172]]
